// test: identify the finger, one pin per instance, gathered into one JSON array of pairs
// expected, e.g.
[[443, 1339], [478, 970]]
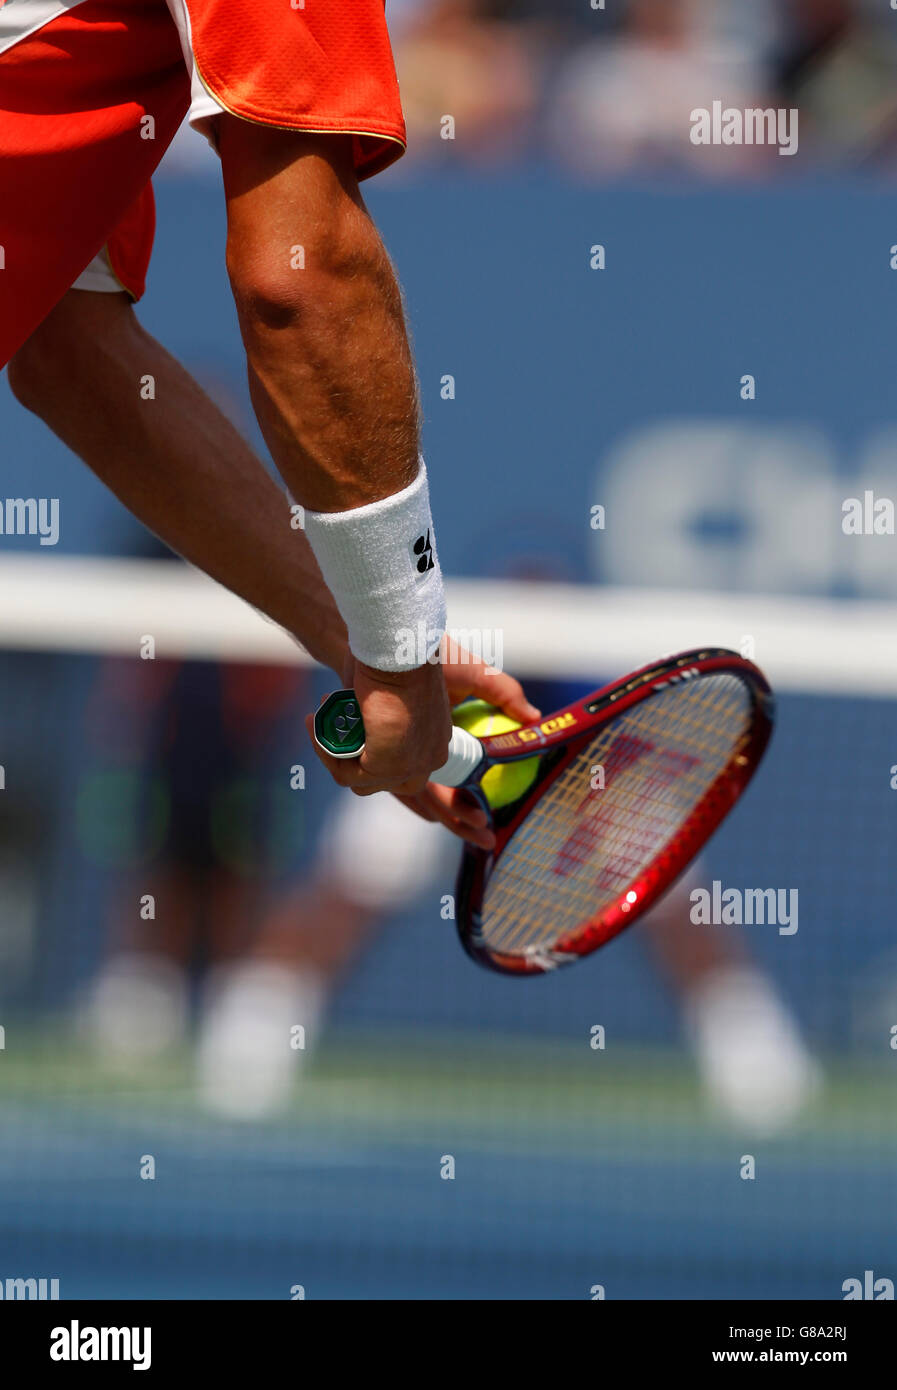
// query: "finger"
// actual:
[[507, 694], [482, 837], [497, 688], [458, 804], [469, 822], [415, 804], [352, 772]]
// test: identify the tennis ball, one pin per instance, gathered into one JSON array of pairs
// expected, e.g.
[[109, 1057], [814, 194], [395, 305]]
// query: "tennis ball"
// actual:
[[501, 785]]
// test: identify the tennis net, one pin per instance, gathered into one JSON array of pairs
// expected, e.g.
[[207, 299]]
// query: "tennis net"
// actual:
[[598, 1122]]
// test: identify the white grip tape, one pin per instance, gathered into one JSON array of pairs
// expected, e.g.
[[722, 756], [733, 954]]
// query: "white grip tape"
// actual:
[[465, 755]]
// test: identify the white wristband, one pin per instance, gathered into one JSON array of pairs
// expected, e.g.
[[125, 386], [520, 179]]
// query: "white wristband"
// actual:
[[380, 564]]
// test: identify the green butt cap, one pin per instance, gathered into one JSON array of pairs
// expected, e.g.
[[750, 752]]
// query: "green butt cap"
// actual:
[[339, 728]]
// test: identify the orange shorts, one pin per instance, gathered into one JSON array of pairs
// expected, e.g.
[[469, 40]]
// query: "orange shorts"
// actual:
[[93, 91]]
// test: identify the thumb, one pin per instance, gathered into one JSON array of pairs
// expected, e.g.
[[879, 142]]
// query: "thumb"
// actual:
[[503, 691]]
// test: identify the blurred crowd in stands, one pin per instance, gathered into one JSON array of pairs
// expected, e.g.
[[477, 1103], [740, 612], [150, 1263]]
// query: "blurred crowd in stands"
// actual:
[[606, 87]]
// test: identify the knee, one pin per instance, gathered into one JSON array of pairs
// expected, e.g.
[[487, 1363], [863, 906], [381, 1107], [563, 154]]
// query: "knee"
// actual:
[[31, 372], [66, 346], [329, 272]]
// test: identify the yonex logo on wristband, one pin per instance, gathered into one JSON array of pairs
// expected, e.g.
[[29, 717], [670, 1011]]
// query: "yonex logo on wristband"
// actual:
[[422, 550], [381, 565]]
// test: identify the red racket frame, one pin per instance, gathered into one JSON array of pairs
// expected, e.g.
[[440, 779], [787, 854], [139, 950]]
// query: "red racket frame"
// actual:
[[571, 729]]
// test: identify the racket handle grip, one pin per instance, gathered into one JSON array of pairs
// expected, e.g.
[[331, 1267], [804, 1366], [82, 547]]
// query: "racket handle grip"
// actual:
[[339, 730], [465, 755]]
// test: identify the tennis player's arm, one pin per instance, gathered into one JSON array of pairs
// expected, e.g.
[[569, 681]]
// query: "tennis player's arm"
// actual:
[[181, 467], [333, 387]]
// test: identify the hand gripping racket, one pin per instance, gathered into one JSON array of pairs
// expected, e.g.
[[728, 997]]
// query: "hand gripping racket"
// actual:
[[632, 781]]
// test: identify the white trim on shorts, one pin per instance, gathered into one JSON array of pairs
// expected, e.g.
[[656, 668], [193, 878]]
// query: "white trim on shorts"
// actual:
[[99, 276], [19, 19], [203, 106]]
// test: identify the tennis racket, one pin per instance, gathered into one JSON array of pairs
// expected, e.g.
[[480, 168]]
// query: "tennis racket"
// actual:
[[631, 783]]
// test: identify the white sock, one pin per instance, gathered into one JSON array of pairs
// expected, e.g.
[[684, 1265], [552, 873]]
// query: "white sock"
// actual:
[[137, 1008], [249, 1050], [753, 1062]]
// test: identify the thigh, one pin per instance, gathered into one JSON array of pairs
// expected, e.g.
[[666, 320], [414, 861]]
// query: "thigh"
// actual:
[[91, 94]]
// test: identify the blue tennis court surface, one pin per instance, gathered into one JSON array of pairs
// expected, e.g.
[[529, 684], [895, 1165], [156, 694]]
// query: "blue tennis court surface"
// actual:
[[568, 1174]]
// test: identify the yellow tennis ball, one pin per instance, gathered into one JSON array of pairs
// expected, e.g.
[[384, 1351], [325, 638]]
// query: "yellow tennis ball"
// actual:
[[502, 785]]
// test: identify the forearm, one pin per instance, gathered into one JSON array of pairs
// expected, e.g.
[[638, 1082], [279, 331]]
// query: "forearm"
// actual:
[[334, 392], [180, 466], [225, 513], [330, 366]]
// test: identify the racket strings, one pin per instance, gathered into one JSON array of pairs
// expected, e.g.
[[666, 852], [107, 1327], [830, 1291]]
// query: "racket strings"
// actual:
[[612, 812]]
